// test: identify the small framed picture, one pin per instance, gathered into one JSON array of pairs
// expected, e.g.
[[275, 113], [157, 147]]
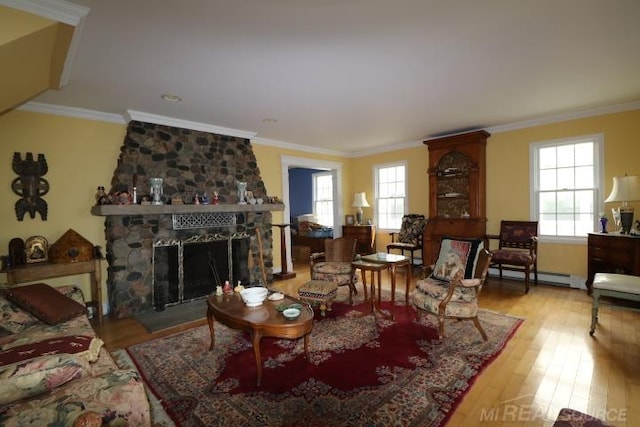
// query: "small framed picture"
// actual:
[[36, 249], [349, 219]]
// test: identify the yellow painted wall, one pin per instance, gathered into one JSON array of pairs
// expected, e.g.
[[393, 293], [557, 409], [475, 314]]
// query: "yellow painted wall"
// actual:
[[508, 175], [81, 154], [32, 53], [417, 159]]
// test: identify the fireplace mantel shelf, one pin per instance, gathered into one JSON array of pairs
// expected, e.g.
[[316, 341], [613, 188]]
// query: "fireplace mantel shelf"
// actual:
[[131, 210]]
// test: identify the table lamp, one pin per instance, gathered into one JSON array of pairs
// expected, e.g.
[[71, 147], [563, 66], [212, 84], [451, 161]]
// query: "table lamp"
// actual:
[[359, 201], [625, 189]]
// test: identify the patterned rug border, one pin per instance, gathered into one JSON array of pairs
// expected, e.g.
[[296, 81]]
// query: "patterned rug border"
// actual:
[[161, 418]]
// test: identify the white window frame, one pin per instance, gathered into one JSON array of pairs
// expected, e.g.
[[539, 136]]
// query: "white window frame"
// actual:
[[314, 178], [598, 163], [376, 175]]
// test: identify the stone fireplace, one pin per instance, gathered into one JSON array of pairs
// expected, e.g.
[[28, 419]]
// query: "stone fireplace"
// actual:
[[237, 237]]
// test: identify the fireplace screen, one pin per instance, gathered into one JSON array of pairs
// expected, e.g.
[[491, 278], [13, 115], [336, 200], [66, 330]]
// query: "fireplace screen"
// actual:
[[184, 270]]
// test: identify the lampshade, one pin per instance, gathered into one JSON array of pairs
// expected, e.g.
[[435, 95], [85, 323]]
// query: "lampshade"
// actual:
[[359, 201], [625, 189]]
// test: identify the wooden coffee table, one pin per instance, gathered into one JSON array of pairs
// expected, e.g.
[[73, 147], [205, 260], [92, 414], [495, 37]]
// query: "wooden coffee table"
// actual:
[[262, 321]]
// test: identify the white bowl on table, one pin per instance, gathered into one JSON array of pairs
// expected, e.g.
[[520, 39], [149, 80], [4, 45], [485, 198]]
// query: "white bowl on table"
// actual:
[[254, 297], [291, 313]]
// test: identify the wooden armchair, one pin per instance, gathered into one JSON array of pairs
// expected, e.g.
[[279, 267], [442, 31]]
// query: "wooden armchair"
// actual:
[[517, 249], [409, 238], [334, 264], [455, 297]]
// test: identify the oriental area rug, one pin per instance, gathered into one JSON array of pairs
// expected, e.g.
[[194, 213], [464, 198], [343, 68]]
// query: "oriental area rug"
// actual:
[[364, 371]]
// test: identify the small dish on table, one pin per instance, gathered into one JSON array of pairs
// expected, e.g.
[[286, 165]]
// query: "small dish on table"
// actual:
[[291, 313]]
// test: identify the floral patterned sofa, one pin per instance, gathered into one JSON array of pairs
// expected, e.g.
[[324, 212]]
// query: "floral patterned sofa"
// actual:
[[54, 370]]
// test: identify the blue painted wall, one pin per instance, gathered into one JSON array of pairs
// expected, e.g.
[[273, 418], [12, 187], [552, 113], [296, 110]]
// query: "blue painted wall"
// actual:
[[301, 191]]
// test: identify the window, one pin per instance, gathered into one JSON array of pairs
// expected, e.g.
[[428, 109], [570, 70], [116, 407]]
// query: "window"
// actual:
[[391, 194], [567, 184], [323, 198]]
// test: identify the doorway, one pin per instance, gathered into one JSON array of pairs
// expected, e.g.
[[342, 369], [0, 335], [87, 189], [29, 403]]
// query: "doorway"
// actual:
[[289, 162]]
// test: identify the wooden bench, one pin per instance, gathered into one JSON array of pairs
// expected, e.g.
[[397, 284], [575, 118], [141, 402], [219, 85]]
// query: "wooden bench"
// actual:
[[613, 285]]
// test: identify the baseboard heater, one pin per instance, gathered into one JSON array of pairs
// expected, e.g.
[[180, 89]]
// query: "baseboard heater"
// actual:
[[549, 278]]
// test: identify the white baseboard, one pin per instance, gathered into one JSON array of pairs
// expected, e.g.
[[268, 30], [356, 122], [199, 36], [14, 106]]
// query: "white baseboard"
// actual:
[[556, 279]]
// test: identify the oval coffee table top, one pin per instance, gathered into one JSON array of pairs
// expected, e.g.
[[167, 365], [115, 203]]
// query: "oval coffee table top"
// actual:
[[232, 311]]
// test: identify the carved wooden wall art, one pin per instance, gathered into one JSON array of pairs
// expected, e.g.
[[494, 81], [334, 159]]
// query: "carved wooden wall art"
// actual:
[[30, 185]]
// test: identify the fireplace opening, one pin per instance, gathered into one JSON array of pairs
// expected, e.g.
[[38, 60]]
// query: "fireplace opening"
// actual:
[[185, 270]]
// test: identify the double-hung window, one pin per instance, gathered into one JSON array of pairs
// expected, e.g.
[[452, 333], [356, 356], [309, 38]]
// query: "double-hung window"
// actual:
[[391, 194], [567, 187], [323, 198]]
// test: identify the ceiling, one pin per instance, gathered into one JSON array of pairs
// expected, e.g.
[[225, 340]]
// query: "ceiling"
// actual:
[[354, 75]]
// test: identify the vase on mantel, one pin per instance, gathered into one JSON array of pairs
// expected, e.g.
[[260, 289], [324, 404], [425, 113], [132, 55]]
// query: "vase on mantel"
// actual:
[[242, 191]]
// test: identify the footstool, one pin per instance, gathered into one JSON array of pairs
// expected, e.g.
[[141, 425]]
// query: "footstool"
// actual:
[[319, 291]]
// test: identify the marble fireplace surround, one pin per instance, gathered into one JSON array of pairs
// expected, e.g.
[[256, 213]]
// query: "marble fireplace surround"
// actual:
[[189, 162]]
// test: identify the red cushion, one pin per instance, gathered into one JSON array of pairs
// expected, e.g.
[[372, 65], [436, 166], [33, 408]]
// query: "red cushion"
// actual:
[[46, 303], [76, 344], [511, 257]]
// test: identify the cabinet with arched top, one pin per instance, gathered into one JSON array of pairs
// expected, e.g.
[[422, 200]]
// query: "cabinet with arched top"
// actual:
[[457, 189]]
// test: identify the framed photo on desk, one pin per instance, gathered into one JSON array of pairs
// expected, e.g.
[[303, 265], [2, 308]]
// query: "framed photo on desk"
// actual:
[[349, 220]]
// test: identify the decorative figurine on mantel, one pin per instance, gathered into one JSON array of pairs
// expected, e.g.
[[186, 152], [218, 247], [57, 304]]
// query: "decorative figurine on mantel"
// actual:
[[216, 198]]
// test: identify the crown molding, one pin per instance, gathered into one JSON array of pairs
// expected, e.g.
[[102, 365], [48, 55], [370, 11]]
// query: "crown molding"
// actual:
[[56, 10], [60, 11], [580, 114], [81, 113], [298, 147], [170, 121]]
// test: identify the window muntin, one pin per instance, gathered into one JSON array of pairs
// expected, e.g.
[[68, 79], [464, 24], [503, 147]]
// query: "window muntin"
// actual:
[[391, 195], [567, 182], [323, 198]]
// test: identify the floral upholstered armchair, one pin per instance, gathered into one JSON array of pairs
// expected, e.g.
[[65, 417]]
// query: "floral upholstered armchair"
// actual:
[[409, 238], [334, 264], [451, 288]]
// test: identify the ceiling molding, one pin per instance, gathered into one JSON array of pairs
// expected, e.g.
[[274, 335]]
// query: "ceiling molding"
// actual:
[[581, 114], [56, 10], [162, 120], [60, 11], [170, 121], [298, 147], [80, 113]]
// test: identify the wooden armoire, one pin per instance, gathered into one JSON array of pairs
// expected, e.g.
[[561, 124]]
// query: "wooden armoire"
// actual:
[[457, 190]]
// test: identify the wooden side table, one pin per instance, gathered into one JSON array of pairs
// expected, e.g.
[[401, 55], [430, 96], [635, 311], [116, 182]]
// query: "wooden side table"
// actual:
[[42, 271], [375, 269]]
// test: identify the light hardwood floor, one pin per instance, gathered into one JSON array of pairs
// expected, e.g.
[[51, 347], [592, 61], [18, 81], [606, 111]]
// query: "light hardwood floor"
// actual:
[[550, 363]]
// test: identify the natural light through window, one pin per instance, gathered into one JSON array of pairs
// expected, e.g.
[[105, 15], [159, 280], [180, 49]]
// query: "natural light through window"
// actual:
[[323, 198], [391, 195], [566, 186]]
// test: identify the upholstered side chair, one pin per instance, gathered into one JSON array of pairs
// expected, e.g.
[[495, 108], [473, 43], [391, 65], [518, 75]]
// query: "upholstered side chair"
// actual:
[[517, 249], [334, 264], [453, 297], [409, 238]]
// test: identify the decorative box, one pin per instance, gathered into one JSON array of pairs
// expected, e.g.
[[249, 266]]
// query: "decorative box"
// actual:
[[71, 247]]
